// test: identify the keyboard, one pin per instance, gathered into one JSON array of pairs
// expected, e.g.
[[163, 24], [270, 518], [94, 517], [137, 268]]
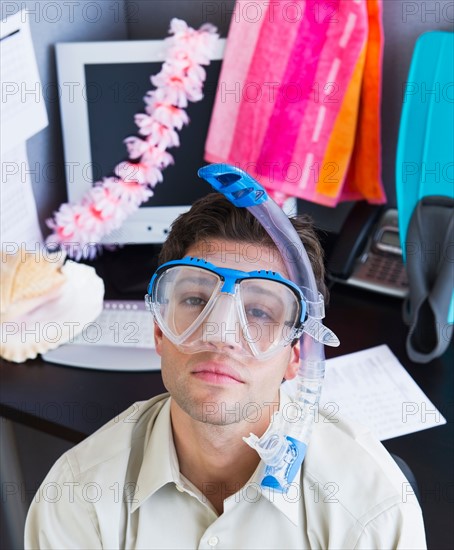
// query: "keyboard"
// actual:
[[120, 339]]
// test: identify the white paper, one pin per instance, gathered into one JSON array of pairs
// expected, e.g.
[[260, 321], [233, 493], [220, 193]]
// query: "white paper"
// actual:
[[19, 218], [374, 389], [22, 109]]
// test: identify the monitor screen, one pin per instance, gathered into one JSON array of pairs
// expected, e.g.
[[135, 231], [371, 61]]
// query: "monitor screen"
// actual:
[[102, 87]]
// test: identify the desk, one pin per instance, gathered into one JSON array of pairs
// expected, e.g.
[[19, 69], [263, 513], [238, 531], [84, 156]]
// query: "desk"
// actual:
[[72, 403]]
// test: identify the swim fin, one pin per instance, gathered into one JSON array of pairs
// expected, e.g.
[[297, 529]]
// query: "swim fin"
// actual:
[[425, 194]]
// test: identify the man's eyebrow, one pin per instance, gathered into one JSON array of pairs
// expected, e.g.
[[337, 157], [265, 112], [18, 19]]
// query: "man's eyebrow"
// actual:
[[259, 289], [195, 279]]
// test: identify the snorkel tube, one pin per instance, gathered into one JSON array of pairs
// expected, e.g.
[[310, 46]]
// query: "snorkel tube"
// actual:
[[283, 446]]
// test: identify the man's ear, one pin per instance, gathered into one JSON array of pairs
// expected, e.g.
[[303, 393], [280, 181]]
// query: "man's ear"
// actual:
[[157, 338], [294, 362]]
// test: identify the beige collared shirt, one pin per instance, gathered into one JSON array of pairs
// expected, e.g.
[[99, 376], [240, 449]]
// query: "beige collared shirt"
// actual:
[[121, 488]]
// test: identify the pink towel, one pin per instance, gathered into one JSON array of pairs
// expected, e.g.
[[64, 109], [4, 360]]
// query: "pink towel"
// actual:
[[298, 101]]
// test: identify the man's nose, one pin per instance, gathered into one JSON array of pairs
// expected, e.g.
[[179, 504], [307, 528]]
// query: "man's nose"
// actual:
[[222, 327]]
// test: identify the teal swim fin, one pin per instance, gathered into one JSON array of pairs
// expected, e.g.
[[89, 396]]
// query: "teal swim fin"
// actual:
[[425, 194], [425, 163]]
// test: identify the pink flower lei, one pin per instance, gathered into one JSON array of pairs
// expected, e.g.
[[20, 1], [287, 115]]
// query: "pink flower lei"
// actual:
[[78, 228]]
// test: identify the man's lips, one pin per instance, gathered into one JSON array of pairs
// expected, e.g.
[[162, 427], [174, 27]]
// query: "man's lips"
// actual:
[[217, 373]]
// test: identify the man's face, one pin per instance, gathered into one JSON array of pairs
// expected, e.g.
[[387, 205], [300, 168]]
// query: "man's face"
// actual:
[[213, 386]]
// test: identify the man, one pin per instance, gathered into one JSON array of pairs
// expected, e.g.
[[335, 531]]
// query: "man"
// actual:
[[174, 472]]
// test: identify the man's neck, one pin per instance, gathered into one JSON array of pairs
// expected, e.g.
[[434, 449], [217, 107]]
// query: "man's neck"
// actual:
[[214, 458]]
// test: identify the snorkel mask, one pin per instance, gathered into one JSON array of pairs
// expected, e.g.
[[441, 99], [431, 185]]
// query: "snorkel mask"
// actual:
[[202, 307], [270, 312]]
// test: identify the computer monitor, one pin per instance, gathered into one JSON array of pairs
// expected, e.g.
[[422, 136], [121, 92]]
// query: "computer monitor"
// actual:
[[102, 85]]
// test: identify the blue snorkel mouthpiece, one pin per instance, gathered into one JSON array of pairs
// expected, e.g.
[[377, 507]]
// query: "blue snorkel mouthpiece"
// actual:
[[283, 446]]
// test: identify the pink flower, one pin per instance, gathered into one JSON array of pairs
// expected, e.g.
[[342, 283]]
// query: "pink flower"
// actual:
[[156, 148], [157, 134], [165, 113], [182, 62], [162, 136], [72, 232], [179, 96], [170, 86], [199, 44], [179, 27], [66, 222], [148, 170], [103, 206], [130, 194], [154, 156], [142, 173], [144, 122], [176, 86], [135, 146]]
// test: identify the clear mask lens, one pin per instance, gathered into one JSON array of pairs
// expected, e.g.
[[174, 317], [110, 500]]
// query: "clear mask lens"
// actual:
[[182, 294], [254, 316], [271, 312]]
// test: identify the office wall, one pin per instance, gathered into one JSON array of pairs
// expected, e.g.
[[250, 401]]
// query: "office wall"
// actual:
[[52, 22]]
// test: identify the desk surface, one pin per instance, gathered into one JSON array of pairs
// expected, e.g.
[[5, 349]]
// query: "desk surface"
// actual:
[[72, 403]]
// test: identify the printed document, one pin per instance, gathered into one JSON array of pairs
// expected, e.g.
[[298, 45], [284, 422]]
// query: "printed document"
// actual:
[[374, 389]]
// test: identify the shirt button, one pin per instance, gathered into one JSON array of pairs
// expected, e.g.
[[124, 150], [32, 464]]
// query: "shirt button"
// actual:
[[179, 488], [213, 541]]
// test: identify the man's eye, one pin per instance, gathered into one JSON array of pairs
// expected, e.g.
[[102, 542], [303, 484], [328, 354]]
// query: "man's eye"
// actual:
[[257, 313], [194, 301]]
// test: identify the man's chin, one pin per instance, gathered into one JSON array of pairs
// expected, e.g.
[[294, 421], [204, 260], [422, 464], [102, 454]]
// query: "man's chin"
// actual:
[[212, 412]]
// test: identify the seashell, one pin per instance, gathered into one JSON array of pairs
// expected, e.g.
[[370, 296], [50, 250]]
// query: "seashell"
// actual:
[[27, 276], [59, 317]]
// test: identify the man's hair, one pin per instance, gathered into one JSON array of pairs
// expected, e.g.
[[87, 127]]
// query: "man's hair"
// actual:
[[215, 217]]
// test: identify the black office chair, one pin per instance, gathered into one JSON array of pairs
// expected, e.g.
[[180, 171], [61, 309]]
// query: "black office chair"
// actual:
[[406, 470]]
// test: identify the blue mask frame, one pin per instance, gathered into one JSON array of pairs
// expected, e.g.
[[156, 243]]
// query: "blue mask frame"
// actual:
[[232, 276], [229, 279]]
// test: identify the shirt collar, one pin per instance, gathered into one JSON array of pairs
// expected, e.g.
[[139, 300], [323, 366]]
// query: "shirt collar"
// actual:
[[160, 466], [160, 462]]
